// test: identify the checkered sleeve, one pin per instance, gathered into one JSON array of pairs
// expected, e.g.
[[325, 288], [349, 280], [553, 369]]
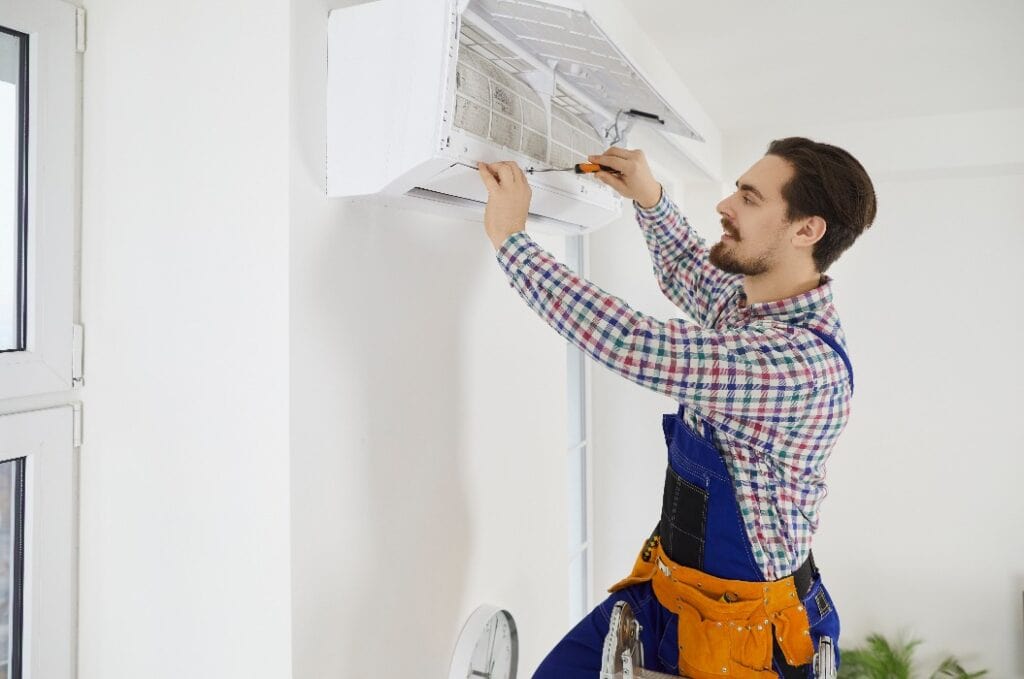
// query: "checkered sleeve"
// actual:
[[753, 372], [680, 258]]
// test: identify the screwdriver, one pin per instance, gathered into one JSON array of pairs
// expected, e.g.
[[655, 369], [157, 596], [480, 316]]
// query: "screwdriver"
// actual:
[[579, 168]]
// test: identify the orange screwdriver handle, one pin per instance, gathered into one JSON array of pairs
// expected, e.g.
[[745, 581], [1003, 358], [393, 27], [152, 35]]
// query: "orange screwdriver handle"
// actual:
[[583, 168]]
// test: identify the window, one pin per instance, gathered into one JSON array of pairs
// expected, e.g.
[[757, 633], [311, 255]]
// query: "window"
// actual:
[[37, 536], [39, 164], [578, 461], [38, 159]]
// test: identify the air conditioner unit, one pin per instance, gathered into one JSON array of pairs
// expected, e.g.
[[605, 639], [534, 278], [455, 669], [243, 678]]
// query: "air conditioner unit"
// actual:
[[419, 91]]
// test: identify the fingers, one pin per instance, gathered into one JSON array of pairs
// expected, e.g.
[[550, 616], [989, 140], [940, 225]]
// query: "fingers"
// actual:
[[487, 174], [519, 175], [612, 181], [502, 172], [506, 175], [614, 162]]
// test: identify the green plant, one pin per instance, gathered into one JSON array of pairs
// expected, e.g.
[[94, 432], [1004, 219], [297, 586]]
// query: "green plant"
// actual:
[[880, 658]]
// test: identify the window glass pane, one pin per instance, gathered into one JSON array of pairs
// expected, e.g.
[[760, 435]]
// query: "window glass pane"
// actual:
[[12, 505], [13, 112]]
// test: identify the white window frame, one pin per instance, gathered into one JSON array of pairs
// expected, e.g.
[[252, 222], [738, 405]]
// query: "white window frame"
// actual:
[[47, 365], [46, 439], [578, 459]]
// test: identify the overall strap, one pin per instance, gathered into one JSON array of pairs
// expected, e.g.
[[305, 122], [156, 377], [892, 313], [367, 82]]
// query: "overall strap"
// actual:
[[701, 523], [831, 341]]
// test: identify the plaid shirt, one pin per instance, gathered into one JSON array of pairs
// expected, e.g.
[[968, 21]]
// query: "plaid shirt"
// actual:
[[776, 394]]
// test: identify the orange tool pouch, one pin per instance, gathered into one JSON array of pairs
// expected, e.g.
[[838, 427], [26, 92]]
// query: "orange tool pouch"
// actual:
[[725, 626]]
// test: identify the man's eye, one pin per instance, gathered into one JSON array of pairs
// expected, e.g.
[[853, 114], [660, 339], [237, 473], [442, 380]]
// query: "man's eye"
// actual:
[[747, 201]]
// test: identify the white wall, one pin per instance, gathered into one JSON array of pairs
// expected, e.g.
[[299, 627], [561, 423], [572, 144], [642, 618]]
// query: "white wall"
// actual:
[[275, 485], [422, 403], [184, 551], [428, 435], [921, 528]]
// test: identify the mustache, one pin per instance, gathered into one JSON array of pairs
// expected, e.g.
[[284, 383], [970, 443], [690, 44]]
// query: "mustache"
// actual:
[[728, 228]]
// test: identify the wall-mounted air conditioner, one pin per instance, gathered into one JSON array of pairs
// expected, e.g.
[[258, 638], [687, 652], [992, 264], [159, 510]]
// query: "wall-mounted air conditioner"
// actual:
[[418, 91]]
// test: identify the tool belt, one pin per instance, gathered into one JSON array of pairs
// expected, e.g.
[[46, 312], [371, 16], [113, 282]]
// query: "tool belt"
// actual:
[[725, 626]]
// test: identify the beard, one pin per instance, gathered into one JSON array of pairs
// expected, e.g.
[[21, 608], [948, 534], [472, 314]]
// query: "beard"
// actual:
[[723, 255]]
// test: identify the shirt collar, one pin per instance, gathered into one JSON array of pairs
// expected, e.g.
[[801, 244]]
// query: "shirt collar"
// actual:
[[813, 299]]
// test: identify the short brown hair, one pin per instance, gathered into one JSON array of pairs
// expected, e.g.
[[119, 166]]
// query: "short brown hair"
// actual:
[[829, 183]]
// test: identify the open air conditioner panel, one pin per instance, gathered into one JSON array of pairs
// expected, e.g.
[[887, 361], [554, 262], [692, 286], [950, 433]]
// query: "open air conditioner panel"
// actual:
[[584, 58], [494, 101]]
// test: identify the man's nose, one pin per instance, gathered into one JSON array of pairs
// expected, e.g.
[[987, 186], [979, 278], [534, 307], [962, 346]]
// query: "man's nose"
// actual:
[[721, 209]]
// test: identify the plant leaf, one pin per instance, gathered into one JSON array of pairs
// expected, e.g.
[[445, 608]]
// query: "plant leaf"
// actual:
[[879, 659], [951, 667]]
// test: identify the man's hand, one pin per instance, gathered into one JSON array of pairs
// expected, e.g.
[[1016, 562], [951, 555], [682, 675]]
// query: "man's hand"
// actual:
[[508, 200], [634, 180]]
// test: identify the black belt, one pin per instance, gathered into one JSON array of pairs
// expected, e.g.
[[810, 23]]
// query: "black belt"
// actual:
[[803, 577]]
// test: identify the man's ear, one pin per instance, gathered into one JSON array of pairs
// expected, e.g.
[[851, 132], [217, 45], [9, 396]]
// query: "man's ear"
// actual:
[[812, 230]]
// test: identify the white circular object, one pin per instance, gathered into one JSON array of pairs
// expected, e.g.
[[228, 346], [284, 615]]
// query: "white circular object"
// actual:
[[488, 646]]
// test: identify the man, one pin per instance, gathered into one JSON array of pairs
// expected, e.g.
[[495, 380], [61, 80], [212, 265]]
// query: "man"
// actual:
[[725, 585]]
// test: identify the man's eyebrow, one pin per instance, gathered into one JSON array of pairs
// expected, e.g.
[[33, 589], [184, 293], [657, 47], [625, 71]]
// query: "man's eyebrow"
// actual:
[[748, 187]]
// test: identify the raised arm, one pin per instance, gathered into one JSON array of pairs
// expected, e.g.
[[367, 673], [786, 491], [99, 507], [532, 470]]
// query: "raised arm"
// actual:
[[678, 253], [680, 259], [750, 372]]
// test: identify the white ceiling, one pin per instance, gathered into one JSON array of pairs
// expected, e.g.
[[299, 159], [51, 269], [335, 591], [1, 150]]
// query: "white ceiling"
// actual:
[[751, 63]]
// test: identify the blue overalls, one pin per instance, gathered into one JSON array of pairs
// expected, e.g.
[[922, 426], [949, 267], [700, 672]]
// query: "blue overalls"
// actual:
[[701, 527]]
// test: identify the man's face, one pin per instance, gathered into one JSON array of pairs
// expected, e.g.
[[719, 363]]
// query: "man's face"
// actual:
[[756, 232]]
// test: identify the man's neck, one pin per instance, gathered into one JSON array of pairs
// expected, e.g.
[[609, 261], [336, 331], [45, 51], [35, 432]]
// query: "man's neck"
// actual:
[[771, 287]]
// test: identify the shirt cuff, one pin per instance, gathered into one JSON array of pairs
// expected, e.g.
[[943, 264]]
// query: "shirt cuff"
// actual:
[[514, 250], [656, 211]]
